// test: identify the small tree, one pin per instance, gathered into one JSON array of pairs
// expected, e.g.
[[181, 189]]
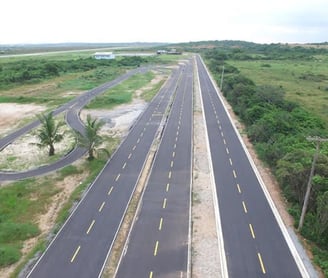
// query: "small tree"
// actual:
[[48, 133], [91, 139]]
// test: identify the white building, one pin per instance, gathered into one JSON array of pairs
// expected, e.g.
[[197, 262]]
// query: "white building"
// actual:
[[104, 55]]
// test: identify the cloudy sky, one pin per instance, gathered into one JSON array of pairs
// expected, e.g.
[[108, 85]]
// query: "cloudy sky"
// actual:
[[262, 21]]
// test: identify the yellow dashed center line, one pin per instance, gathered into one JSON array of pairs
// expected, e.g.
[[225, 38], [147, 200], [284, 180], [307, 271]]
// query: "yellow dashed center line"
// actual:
[[156, 248], [164, 203], [151, 274], [101, 207], [110, 191], [90, 227], [252, 230], [261, 263], [160, 224], [75, 253], [244, 206]]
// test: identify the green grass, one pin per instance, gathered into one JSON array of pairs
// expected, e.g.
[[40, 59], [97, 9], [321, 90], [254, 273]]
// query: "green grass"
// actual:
[[305, 82], [20, 203], [122, 93]]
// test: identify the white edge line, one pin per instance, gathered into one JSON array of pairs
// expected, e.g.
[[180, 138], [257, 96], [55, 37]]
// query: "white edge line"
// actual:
[[191, 171], [223, 260], [276, 214]]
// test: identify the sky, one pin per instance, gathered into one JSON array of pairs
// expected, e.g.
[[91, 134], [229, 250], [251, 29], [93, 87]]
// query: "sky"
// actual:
[[260, 21]]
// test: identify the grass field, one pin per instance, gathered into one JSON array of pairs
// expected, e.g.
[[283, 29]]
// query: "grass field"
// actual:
[[305, 82]]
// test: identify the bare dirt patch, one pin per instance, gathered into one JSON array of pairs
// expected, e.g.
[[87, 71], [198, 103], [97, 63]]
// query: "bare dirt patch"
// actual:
[[12, 115]]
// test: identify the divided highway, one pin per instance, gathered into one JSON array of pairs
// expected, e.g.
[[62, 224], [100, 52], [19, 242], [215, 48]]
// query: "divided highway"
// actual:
[[159, 242], [82, 245], [253, 241]]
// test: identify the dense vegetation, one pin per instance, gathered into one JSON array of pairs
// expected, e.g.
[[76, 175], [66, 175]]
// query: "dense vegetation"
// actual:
[[279, 129], [32, 71]]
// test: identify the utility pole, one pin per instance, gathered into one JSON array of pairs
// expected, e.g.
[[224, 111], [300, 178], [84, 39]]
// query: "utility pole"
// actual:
[[317, 140], [221, 83]]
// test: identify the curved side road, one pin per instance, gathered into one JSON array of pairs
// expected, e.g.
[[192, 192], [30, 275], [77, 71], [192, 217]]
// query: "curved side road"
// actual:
[[72, 109]]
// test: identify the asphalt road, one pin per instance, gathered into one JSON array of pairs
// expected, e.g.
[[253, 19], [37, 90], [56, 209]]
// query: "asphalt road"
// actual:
[[82, 245], [253, 241], [159, 243], [72, 109]]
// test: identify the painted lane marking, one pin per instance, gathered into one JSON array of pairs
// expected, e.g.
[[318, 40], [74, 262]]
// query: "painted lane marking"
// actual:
[[261, 263], [173, 154], [177, 133], [151, 274], [134, 147], [222, 134], [244, 206], [129, 155], [238, 187], [156, 248], [176, 139], [175, 146], [167, 187], [224, 141], [91, 225], [124, 165], [117, 177], [172, 163], [234, 174], [138, 140], [141, 134], [75, 253], [101, 207], [170, 174], [252, 230], [164, 203], [227, 150], [230, 161], [110, 191], [160, 224]]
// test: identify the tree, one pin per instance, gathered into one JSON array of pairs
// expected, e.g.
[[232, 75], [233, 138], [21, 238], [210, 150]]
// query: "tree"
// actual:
[[49, 134], [91, 139], [322, 212]]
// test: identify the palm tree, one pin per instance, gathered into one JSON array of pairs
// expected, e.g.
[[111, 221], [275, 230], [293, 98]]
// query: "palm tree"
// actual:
[[48, 133], [91, 140]]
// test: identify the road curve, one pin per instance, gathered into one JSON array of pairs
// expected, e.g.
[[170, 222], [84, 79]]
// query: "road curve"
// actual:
[[72, 109]]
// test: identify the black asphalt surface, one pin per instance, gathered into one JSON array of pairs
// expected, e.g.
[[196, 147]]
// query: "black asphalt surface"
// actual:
[[81, 246], [253, 241], [72, 109], [159, 241]]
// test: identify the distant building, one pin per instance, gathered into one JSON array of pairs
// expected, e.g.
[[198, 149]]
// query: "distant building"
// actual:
[[161, 51], [104, 55]]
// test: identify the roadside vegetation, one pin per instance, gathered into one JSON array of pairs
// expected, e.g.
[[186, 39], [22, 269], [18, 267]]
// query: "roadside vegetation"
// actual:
[[280, 93]]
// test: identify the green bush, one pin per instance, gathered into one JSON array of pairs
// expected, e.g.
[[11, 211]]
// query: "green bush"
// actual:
[[8, 255]]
